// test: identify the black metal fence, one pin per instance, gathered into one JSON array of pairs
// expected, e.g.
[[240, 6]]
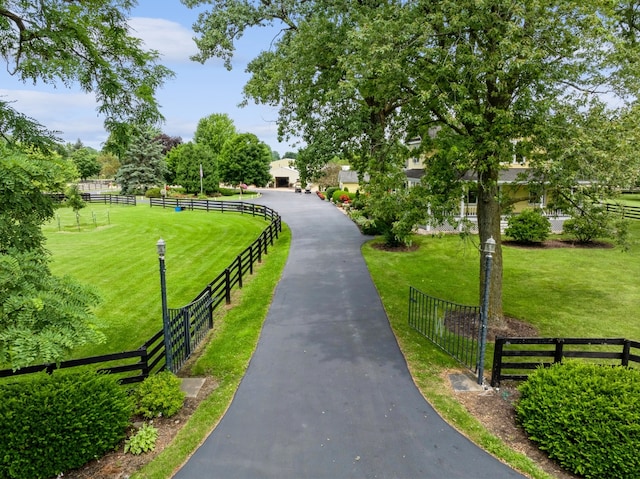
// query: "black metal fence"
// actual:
[[514, 358], [190, 324], [453, 327]]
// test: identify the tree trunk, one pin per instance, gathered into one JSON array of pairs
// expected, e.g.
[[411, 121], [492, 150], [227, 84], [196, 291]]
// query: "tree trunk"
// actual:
[[489, 226]]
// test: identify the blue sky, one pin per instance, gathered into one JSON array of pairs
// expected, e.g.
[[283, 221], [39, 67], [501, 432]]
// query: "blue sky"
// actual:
[[196, 91]]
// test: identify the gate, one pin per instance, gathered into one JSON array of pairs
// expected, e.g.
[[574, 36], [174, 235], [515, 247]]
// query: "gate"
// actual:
[[453, 327]]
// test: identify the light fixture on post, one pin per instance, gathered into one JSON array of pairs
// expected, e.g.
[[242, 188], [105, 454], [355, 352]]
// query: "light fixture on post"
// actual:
[[488, 250], [161, 247]]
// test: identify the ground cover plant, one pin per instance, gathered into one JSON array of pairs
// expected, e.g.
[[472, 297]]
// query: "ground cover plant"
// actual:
[[117, 256]]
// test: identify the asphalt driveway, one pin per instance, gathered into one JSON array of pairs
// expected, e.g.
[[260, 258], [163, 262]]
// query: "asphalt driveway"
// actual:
[[327, 393]]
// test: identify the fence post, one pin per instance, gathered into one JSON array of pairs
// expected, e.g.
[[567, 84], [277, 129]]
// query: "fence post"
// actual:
[[260, 248], [240, 271], [210, 308], [186, 325], [557, 357], [626, 350], [227, 286], [251, 258], [496, 371]]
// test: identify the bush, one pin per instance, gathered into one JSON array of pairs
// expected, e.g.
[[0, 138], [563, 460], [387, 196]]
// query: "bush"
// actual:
[[587, 228], [586, 417], [329, 191], [142, 441], [51, 424], [529, 227], [340, 196], [228, 191], [153, 193], [159, 395]]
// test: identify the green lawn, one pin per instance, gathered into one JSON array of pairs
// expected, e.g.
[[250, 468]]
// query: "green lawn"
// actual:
[[563, 292], [571, 292], [117, 255]]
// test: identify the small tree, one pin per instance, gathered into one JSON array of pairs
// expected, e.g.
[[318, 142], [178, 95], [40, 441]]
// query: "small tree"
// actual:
[[43, 317]]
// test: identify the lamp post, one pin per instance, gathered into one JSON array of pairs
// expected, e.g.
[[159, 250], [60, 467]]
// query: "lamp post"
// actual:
[[488, 250], [161, 247]]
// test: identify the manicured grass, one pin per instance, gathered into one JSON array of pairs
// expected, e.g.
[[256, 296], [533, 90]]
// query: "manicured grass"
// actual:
[[118, 257], [563, 292], [225, 358]]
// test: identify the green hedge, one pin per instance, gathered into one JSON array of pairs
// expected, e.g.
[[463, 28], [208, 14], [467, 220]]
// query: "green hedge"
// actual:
[[51, 424], [586, 417], [529, 226]]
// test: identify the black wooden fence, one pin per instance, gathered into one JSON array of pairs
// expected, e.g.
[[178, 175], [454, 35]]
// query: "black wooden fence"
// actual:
[[189, 324], [103, 199], [514, 358], [453, 327], [626, 211]]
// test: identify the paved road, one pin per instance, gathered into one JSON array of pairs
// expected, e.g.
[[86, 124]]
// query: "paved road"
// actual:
[[327, 393]]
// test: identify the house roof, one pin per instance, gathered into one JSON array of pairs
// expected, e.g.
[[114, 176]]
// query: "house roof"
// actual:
[[351, 176]]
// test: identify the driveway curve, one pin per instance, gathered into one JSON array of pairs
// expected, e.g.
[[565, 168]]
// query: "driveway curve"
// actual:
[[327, 393]]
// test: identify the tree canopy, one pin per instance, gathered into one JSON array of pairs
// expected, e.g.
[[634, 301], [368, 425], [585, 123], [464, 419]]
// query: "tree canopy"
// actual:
[[83, 42], [213, 131], [472, 79], [185, 162], [143, 165], [245, 159]]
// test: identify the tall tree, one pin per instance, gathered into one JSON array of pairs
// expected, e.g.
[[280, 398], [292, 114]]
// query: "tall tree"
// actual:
[[187, 161], [357, 77], [245, 159], [82, 42], [86, 161], [143, 165], [213, 131]]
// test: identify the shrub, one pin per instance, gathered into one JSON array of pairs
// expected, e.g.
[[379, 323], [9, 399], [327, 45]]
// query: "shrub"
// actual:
[[51, 424], [585, 416], [142, 441], [586, 228], [340, 196], [329, 191], [529, 227], [153, 193], [159, 395], [228, 191]]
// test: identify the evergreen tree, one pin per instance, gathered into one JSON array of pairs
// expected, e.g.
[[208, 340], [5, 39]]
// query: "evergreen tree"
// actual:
[[143, 165]]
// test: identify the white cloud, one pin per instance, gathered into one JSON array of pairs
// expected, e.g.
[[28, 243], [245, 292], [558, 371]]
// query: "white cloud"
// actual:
[[172, 40]]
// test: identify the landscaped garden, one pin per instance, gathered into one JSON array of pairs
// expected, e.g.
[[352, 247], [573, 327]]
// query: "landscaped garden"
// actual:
[[570, 291]]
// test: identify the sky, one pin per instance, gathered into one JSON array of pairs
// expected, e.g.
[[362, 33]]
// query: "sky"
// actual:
[[196, 91]]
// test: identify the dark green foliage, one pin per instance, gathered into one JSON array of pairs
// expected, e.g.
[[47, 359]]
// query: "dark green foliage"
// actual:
[[153, 193], [142, 165], [228, 191], [159, 395], [340, 196], [530, 226], [55, 423], [329, 192], [586, 417], [185, 162], [245, 159]]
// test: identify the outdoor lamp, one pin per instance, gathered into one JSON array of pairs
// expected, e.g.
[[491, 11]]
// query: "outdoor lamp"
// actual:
[[489, 246], [161, 246]]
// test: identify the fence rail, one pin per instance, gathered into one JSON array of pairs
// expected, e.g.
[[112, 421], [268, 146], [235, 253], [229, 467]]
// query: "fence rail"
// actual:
[[104, 199], [453, 327], [190, 324], [147, 359], [513, 358], [631, 212]]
